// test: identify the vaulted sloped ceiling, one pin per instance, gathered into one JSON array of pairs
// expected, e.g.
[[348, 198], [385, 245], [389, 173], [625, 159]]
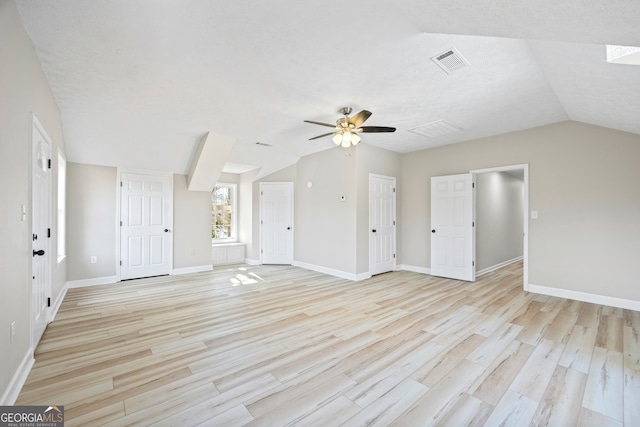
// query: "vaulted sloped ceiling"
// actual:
[[140, 83]]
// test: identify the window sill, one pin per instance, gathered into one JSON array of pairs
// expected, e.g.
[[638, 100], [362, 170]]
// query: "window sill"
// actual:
[[234, 243]]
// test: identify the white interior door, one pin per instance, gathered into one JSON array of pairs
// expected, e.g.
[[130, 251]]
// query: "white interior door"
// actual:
[[382, 224], [40, 218], [452, 227], [146, 222], [276, 222]]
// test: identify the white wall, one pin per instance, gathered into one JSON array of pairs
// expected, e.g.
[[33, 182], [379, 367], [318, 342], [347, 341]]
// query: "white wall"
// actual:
[[23, 90], [583, 182], [499, 218]]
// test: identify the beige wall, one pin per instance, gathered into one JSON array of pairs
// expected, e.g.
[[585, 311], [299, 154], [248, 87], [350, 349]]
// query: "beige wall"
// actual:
[[23, 90], [246, 214], [91, 229], [91, 221], [499, 218], [373, 160], [287, 174], [583, 182], [191, 225], [325, 226], [330, 233]]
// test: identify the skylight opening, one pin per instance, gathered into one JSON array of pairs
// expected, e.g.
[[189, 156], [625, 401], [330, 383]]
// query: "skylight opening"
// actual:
[[629, 55]]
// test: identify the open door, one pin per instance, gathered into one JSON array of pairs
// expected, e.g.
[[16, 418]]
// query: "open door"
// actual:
[[453, 227], [41, 231]]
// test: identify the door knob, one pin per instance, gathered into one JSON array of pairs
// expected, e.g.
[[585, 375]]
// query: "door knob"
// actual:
[[433, 231], [288, 228], [39, 253], [373, 231], [166, 230]]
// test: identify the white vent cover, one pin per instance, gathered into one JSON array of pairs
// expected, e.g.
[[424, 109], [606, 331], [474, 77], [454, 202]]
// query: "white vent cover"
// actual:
[[436, 129], [450, 60]]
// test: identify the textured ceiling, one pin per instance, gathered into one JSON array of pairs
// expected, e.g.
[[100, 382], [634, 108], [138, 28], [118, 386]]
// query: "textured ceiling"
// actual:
[[139, 83]]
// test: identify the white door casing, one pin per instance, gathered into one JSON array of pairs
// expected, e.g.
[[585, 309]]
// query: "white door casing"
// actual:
[[276, 222], [41, 232], [453, 227], [382, 224], [146, 224]]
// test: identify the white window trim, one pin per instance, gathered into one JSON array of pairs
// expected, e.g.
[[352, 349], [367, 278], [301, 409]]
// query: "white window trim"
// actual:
[[61, 244], [234, 214]]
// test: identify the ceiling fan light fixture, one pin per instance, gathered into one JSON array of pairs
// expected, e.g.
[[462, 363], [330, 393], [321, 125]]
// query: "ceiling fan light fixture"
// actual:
[[346, 130]]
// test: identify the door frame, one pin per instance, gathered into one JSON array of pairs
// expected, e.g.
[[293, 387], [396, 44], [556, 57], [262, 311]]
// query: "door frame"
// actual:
[[119, 173], [525, 251], [36, 125], [395, 219], [261, 211]]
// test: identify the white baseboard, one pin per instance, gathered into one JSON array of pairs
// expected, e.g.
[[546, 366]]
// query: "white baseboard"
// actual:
[[330, 271], [414, 268], [497, 266], [363, 276], [194, 269], [58, 302], [108, 280], [10, 395], [586, 297], [252, 261]]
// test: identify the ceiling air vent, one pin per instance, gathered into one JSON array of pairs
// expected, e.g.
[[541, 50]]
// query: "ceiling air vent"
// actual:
[[435, 129], [450, 60]]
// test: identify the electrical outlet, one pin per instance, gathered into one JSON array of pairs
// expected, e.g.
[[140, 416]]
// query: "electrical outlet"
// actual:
[[94, 259], [12, 327]]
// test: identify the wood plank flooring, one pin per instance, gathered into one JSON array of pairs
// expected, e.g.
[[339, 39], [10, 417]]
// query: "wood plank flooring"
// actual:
[[284, 346]]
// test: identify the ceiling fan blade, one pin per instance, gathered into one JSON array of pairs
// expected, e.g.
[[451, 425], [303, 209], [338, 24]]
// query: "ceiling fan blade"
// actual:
[[321, 136], [360, 118], [319, 123], [372, 129]]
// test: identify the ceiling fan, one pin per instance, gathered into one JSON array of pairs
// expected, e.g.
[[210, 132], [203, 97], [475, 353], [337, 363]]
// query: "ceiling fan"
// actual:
[[346, 129]]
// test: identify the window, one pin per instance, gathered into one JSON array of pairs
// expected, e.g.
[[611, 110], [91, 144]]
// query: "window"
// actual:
[[223, 212], [62, 206]]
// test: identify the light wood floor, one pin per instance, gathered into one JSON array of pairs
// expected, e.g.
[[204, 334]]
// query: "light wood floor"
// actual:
[[279, 345]]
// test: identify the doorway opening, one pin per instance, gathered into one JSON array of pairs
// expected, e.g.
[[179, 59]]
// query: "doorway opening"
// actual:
[[502, 206]]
